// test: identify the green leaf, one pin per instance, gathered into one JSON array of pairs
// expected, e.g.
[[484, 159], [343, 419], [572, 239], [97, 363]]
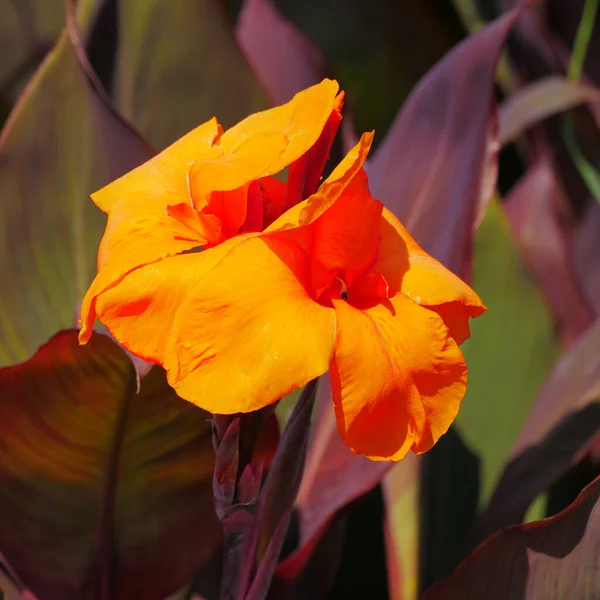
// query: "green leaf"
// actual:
[[101, 487], [61, 143], [28, 29], [178, 66], [511, 350]]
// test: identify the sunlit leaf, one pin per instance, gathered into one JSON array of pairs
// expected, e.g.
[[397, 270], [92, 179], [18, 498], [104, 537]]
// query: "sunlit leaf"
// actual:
[[511, 350], [539, 100], [60, 144], [102, 487], [563, 421], [551, 559], [179, 65]]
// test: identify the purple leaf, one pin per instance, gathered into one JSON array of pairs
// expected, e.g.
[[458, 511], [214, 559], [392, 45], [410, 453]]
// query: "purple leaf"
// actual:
[[282, 57], [436, 169], [551, 559]]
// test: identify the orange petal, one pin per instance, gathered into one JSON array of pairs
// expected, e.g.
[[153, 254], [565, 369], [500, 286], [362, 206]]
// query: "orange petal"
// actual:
[[234, 168], [249, 333], [138, 233], [397, 378], [346, 236], [139, 310], [166, 172], [311, 209], [409, 269], [302, 120], [305, 173]]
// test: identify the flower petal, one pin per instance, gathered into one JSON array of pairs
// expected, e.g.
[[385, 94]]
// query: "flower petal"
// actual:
[[139, 310], [139, 232], [345, 237], [233, 169], [249, 332], [305, 173], [397, 378], [301, 120], [311, 209], [166, 172], [409, 269]]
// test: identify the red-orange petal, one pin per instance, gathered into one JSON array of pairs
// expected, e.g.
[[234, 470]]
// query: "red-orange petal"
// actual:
[[330, 190], [166, 172], [345, 238], [409, 269], [305, 173], [139, 310], [249, 333], [397, 378]]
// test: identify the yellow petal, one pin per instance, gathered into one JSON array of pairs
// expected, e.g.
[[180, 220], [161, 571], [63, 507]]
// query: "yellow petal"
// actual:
[[249, 333]]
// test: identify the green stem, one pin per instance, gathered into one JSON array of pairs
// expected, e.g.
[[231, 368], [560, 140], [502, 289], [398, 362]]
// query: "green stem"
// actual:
[[588, 172], [582, 39]]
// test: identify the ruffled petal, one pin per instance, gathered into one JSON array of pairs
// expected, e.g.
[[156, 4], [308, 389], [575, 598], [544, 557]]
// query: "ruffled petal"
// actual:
[[249, 332], [345, 238], [301, 120], [305, 173], [311, 209], [166, 172], [251, 160], [139, 232], [397, 378], [139, 310], [409, 269]]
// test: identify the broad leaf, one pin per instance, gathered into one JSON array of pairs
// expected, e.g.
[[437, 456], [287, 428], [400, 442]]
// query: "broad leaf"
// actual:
[[104, 492], [511, 350], [28, 30], [272, 44], [552, 559], [178, 66], [562, 423], [532, 208], [436, 168], [60, 144]]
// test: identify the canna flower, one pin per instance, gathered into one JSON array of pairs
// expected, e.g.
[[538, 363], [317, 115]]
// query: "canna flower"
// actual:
[[334, 283], [204, 189]]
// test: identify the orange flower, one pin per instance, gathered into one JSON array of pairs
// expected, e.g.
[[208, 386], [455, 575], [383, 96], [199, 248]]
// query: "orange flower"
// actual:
[[207, 187], [335, 283]]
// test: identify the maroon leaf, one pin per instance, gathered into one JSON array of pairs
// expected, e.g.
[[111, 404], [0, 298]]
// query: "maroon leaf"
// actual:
[[532, 208], [105, 493], [564, 420], [436, 168], [282, 57], [550, 559]]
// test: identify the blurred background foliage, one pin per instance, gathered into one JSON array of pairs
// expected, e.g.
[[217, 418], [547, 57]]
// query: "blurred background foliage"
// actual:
[[128, 76]]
